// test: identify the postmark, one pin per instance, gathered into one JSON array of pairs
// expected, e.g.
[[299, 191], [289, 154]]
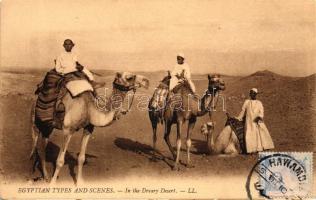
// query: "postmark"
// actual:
[[282, 174]]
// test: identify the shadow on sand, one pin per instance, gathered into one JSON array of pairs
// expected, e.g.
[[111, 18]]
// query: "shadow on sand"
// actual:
[[142, 149], [52, 151], [200, 146]]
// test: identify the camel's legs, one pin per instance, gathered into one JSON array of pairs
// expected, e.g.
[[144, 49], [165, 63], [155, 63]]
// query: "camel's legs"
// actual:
[[188, 142], [166, 137], [35, 135], [42, 154], [154, 126], [33, 155], [179, 127], [61, 156], [82, 155]]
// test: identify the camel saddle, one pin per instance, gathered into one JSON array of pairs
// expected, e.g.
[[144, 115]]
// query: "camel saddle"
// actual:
[[239, 128], [49, 110]]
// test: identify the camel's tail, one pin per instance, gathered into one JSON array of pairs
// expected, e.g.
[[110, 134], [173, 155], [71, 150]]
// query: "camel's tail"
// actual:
[[35, 131]]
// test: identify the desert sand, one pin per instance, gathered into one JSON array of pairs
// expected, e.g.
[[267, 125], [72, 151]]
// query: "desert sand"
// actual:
[[124, 149]]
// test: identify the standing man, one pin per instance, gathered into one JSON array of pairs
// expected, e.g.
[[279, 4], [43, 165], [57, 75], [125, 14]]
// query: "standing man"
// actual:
[[181, 67], [257, 136]]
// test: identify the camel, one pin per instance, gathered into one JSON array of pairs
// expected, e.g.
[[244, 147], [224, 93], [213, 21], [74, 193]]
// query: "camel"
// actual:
[[225, 143], [82, 112], [184, 107]]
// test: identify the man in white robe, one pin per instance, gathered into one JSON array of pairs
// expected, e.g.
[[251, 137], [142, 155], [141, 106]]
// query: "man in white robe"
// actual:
[[179, 68], [257, 136]]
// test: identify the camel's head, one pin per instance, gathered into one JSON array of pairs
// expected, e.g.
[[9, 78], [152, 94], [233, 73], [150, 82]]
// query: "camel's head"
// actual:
[[126, 81], [207, 128], [215, 83]]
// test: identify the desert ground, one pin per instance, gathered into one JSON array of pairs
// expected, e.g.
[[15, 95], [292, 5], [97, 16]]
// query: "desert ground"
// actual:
[[124, 149]]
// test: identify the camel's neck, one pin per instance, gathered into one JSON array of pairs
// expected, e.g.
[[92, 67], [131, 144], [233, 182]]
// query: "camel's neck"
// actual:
[[116, 99], [203, 107], [210, 138], [102, 115]]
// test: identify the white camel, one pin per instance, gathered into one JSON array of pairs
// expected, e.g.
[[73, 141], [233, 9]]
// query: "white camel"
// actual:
[[82, 112], [225, 143]]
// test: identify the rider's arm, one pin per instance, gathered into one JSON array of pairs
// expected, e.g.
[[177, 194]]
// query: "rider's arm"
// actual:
[[174, 71], [59, 68], [187, 72]]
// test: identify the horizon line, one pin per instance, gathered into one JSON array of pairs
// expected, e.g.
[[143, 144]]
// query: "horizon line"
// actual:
[[16, 68]]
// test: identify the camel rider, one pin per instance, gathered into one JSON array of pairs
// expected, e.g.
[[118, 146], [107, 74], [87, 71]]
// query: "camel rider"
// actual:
[[180, 67], [67, 61], [48, 106]]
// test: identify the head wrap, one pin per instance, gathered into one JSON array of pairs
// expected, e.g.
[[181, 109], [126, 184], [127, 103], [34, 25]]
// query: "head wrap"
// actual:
[[180, 55], [255, 90]]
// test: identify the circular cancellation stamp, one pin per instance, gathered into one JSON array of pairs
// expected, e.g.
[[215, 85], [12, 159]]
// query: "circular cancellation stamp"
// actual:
[[282, 174]]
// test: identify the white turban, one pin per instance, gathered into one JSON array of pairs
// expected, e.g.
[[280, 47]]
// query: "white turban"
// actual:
[[254, 90], [181, 55]]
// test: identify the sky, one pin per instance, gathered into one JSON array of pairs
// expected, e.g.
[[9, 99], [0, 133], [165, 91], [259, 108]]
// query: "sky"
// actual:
[[223, 36]]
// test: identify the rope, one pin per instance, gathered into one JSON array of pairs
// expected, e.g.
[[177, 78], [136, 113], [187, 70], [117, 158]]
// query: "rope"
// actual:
[[209, 106], [130, 105]]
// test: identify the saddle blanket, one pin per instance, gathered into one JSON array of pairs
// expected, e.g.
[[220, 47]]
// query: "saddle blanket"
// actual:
[[239, 128], [53, 88], [158, 100], [77, 87]]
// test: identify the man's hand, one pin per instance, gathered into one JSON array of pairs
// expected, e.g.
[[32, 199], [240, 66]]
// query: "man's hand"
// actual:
[[79, 67], [258, 119]]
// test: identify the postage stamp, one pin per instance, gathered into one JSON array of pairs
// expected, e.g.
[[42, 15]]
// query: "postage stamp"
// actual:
[[285, 174]]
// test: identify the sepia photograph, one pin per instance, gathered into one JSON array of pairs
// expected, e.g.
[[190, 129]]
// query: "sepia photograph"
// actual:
[[155, 99]]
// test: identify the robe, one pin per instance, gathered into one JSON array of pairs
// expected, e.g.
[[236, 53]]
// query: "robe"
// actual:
[[257, 136], [177, 70], [66, 63]]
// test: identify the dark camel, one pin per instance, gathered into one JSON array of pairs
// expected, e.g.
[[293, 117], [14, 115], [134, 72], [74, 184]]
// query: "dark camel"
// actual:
[[184, 107]]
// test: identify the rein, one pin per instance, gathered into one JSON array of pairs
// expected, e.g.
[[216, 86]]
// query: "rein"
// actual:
[[123, 88], [210, 107], [124, 112]]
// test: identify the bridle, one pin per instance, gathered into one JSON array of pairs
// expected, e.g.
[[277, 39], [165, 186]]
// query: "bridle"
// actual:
[[124, 88]]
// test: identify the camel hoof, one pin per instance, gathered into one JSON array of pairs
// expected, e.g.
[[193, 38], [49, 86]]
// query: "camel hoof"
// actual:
[[79, 183], [52, 184], [176, 168], [189, 166], [46, 179]]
